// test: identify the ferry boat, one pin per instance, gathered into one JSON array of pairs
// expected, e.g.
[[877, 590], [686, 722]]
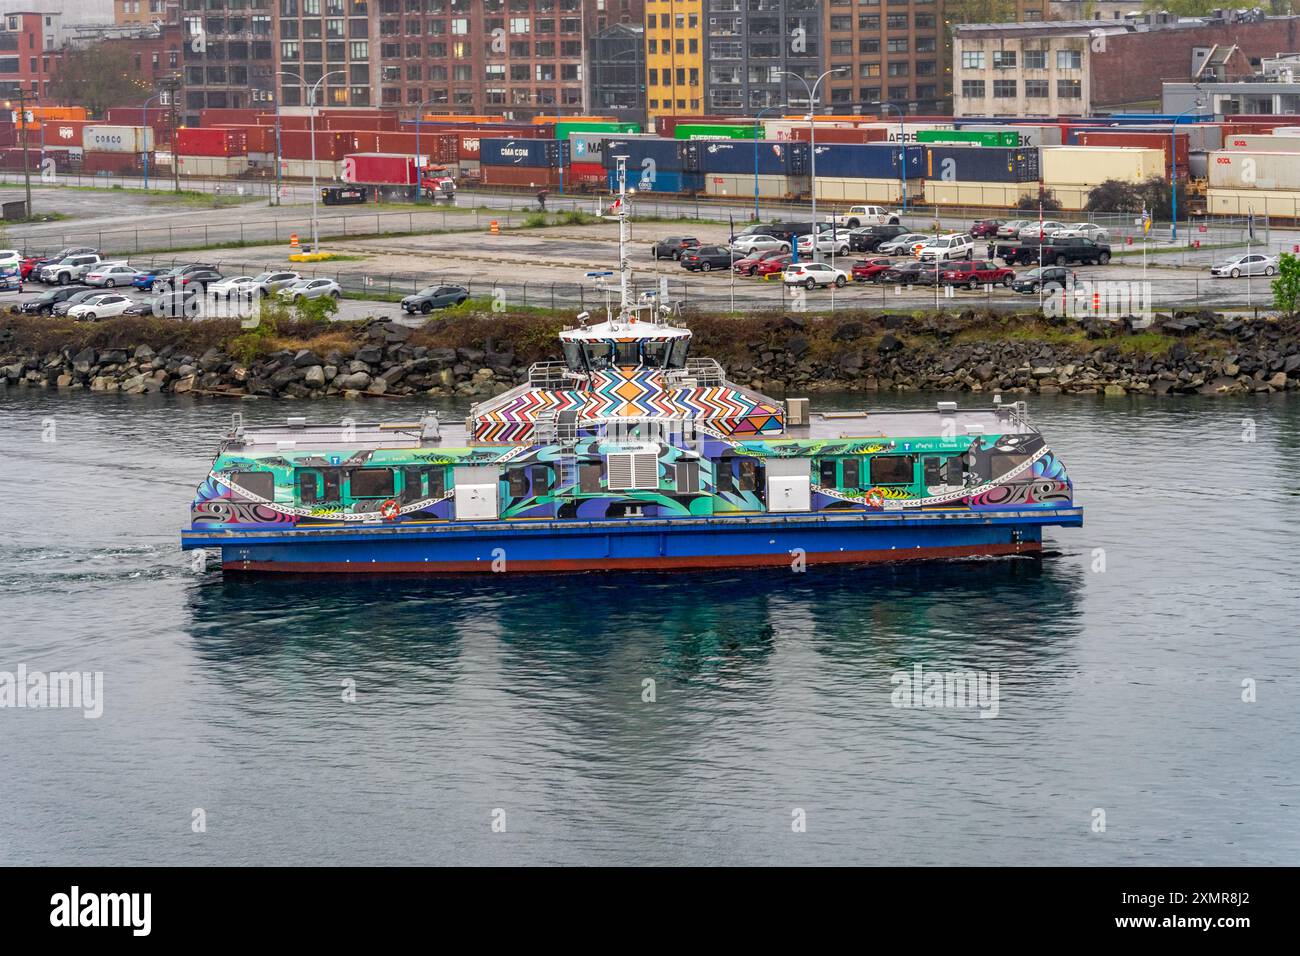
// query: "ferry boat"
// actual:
[[631, 453]]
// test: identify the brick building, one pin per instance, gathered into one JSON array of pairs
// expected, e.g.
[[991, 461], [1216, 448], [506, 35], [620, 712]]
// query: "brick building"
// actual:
[[30, 44], [143, 12], [228, 54], [891, 52]]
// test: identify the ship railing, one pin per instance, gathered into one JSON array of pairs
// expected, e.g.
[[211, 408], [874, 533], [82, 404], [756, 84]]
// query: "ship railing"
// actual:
[[704, 372], [552, 375]]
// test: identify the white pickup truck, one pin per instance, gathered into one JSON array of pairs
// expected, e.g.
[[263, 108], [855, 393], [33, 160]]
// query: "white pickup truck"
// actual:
[[856, 216]]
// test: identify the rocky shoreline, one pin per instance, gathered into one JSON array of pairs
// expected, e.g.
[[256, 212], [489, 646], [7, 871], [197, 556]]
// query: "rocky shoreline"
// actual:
[[474, 357]]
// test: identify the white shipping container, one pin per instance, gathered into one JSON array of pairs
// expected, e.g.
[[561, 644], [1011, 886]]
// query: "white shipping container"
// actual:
[[848, 190], [117, 139], [1264, 144], [1244, 169], [1243, 202], [1093, 165], [302, 168], [991, 195], [1287, 131], [212, 165]]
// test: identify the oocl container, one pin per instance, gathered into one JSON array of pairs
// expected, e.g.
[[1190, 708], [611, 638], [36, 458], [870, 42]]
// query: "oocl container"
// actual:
[[1264, 144], [1092, 165], [117, 139], [1244, 169]]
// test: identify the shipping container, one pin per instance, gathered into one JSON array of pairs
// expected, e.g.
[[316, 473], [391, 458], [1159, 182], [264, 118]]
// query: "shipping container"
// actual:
[[326, 169], [662, 182], [1286, 131], [1245, 169], [1279, 204], [376, 123], [1264, 144], [766, 157], [992, 195], [580, 175], [567, 128], [855, 190], [1160, 141], [666, 126], [117, 139], [379, 169], [769, 187], [1092, 165], [969, 136], [63, 132], [214, 116], [803, 134], [213, 141], [872, 161], [530, 177], [113, 163], [330, 144], [211, 165], [715, 131], [542, 153], [667, 155], [980, 164]]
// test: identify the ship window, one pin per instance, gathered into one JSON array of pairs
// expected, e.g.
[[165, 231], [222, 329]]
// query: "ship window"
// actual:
[[633, 472], [259, 483], [627, 353], [589, 478], [688, 477], [826, 470], [412, 485], [656, 354], [932, 471], [308, 487], [573, 356], [371, 482], [597, 355], [891, 470], [518, 480], [953, 469], [852, 468], [677, 358], [748, 474], [726, 481], [333, 479], [1000, 464], [541, 476], [437, 476]]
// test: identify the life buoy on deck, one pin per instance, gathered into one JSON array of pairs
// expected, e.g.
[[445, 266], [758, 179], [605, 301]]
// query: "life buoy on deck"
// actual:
[[875, 499], [390, 509]]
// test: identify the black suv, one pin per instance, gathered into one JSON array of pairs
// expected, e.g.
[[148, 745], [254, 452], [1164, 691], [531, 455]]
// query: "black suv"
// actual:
[[434, 297], [673, 247], [44, 303], [706, 258], [192, 275], [867, 238], [1060, 251], [1048, 278]]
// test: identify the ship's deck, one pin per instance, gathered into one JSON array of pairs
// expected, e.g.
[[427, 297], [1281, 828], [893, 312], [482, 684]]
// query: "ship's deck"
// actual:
[[299, 436]]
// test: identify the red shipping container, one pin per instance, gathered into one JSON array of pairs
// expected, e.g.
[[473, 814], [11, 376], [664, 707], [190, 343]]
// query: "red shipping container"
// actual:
[[228, 117], [65, 132], [379, 169], [213, 141], [838, 135], [1158, 141], [372, 123], [330, 145], [133, 116], [531, 177], [115, 163], [586, 173]]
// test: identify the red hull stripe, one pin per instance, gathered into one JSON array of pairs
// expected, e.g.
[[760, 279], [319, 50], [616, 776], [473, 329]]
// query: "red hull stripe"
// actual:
[[691, 562]]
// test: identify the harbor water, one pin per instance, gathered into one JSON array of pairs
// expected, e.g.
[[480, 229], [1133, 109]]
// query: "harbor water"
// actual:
[[1148, 681]]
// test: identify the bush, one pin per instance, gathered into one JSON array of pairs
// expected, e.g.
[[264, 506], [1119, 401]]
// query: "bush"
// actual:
[[316, 311], [1286, 287], [1045, 198]]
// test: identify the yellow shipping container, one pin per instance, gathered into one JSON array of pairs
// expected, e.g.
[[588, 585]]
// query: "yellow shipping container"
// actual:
[[1262, 202], [851, 190], [992, 195], [1093, 165]]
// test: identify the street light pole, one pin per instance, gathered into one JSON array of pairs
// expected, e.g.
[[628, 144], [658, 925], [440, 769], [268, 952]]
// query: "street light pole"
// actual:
[[902, 145], [1173, 169], [144, 124], [22, 116], [311, 115], [812, 147], [765, 109]]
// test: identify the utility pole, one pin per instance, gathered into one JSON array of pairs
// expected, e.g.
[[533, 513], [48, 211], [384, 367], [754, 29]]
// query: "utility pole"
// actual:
[[24, 119], [171, 86]]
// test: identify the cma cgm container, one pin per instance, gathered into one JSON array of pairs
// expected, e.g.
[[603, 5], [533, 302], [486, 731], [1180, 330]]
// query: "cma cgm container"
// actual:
[[766, 157], [379, 169], [1263, 144], [1093, 165], [668, 155], [117, 139], [980, 164], [872, 161], [1246, 169], [537, 153], [216, 141]]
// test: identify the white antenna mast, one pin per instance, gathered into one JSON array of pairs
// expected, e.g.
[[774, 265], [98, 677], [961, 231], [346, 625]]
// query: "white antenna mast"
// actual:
[[624, 270]]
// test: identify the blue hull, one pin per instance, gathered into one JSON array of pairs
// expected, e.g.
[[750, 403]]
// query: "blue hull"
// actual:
[[634, 543]]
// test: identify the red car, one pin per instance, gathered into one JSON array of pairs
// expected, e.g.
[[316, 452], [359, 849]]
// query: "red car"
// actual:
[[749, 265], [866, 270], [773, 265], [986, 228], [975, 273]]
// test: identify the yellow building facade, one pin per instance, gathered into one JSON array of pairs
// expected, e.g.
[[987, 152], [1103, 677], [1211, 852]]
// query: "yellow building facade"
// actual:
[[674, 38]]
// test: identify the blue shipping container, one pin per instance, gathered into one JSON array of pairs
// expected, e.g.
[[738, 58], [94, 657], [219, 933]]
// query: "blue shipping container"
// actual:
[[542, 153], [869, 161], [774, 157], [981, 164], [665, 154], [663, 182]]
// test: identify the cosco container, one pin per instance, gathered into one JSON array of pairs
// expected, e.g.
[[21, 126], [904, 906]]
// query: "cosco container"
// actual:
[[871, 161], [981, 164], [1093, 165], [1245, 169], [117, 139], [539, 153]]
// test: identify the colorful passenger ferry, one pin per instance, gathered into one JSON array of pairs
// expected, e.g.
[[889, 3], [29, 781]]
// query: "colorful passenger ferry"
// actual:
[[631, 454]]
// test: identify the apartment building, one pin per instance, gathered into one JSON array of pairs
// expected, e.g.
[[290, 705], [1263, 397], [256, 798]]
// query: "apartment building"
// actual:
[[751, 47], [674, 39], [888, 51], [143, 12], [29, 51], [616, 72], [228, 54]]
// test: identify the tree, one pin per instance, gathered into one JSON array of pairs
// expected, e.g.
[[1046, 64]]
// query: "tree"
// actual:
[[1286, 287], [98, 77], [1113, 195], [1046, 200]]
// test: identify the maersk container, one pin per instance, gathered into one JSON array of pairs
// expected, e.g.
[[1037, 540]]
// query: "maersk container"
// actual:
[[767, 157], [1246, 169], [117, 139], [1093, 165], [1264, 144], [980, 164], [870, 161], [540, 153], [666, 154]]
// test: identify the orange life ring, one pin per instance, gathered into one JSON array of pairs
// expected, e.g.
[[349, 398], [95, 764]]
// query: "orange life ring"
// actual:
[[390, 509], [875, 499]]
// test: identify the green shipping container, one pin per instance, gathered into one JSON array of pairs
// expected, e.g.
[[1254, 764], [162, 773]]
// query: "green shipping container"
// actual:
[[566, 128], [714, 131], [972, 137]]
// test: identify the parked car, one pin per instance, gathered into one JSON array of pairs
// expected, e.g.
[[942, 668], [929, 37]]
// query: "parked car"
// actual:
[[673, 247], [810, 275], [975, 273], [1058, 252], [111, 276], [835, 243], [234, 285], [175, 303], [434, 297], [856, 216], [44, 303], [1033, 229], [901, 245], [1087, 230], [1011, 228], [100, 307], [754, 229], [788, 229], [869, 238], [311, 289], [705, 258], [32, 264], [1253, 264], [909, 272], [956, 245], [268, 282], [1048, 278], [986, 228], [750, 264], [773, 265], [195, 274], [758, 242], [68, 270], [62, 307], [866, 270]]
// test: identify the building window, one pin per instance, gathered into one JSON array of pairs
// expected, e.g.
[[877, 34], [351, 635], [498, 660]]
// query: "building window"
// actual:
[[1069, 89], [1004, 89], [1004, 59], [972, 59], [896, 46], [972, 88], [1035, 59], [1069, 60], [1036, 89]]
